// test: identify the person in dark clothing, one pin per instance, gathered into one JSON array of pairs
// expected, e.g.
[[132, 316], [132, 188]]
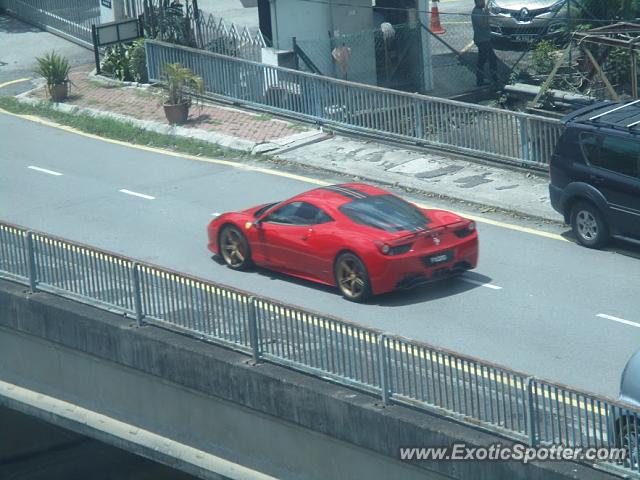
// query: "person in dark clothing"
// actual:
[[482, 39]]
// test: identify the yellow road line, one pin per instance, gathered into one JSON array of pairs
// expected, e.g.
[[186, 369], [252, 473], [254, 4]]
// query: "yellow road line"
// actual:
[[12, 82], [264, 170], [467, 47]]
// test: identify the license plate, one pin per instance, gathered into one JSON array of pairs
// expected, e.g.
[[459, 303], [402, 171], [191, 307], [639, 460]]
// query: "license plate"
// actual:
[[523, 38], [439, 258]]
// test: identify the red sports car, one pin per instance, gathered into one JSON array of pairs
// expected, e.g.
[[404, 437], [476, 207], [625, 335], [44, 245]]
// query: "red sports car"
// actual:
[[360, 238]]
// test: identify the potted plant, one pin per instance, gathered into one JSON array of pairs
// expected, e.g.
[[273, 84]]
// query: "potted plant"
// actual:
[[182, 85], [54, 69]]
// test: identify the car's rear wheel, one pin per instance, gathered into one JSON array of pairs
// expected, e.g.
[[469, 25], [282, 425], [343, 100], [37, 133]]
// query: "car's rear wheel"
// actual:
[[234, 248], [352, 278], [588, 225]]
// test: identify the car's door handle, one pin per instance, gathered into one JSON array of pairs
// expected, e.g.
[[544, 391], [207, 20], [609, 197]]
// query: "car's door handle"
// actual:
[[306, 235]]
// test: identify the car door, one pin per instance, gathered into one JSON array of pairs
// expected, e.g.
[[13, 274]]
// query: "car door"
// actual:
[[616, 173], [289, 239]]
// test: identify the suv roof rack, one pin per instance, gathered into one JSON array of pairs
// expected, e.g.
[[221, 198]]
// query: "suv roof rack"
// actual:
[[600, 115]]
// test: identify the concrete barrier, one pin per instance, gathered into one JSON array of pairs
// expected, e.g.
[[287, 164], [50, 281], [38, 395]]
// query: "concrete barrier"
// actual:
[[265, 418]]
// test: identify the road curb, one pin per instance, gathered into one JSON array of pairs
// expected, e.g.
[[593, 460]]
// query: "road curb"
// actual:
[[288, 144]]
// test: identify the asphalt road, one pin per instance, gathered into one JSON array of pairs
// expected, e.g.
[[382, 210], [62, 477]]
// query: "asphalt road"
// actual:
[[538, 313]]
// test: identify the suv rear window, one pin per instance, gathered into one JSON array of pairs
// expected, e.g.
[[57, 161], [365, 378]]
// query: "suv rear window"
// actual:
[[385, 212], [612, 153]]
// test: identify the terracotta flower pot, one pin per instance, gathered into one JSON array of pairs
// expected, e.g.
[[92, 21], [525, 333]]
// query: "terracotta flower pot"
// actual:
[[59, 92], [177, 114]]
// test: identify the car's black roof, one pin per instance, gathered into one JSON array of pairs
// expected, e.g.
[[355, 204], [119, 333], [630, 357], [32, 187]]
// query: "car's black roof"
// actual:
[[617, 116]]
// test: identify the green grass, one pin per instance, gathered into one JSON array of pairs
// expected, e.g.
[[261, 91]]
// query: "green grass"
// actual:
[[263, 117], [119, 130]]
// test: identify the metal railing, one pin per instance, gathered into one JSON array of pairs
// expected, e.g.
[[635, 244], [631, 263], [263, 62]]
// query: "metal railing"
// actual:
[[472, 129], [70, 18], [528, 410]]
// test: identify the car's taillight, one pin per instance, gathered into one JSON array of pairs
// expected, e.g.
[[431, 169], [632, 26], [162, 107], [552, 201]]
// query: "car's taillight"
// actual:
[[466, 231], [387, 249]]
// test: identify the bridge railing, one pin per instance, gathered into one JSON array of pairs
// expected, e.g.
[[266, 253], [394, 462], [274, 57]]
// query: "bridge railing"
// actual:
[[502, 135], [398, 370]]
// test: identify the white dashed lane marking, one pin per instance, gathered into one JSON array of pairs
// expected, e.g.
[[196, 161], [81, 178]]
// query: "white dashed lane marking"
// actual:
[[619, 320], [44, 170], [481, 284], [136, 194]]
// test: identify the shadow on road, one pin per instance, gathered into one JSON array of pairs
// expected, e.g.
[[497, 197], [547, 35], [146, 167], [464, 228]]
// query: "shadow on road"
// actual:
[[11, 25], [420, 294], [616, 246]]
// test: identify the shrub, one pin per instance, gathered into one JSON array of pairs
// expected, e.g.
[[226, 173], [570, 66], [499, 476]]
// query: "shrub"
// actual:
[[544, 57], [126, 63], [53, 68]]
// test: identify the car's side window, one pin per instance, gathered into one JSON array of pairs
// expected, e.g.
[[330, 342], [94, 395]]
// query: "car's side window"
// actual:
[[621, 156], [612, 153], [298, 213], [590, 144]]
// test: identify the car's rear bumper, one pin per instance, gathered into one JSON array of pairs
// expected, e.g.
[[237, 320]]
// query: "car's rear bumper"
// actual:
[[556, 195], [411, 270]]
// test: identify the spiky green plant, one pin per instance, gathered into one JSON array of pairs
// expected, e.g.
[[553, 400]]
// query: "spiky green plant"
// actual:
[[53, 68], [182, 83]]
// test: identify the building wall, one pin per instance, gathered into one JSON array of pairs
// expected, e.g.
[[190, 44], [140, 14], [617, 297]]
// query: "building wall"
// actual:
[[312, 23]]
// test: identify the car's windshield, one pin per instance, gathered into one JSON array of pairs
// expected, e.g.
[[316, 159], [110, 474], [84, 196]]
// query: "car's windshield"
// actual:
[[385, 212]]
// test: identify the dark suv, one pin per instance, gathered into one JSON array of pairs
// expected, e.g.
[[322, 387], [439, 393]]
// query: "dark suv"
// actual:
[[595, 173]]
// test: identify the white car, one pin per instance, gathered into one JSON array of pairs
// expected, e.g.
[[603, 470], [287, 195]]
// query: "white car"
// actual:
[[527, 20]]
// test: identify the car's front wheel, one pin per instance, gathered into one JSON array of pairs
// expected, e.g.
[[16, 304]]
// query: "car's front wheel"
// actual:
[[352, 278], [588, 225], [234, 248]]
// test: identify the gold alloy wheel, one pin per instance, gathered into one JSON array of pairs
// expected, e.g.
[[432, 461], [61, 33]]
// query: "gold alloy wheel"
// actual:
[[233, 248], [352, 279]]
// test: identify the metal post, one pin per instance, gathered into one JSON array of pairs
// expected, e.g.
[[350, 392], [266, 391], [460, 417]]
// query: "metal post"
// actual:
[[419, 132], [254, 339], [385, 385], [96, 54], [31, 262], [524, 138], [532, 412], [137, 295]]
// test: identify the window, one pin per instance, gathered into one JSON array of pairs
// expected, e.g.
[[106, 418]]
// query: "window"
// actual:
[[264, 209], [385, 212], [612, 153], [298, 213]]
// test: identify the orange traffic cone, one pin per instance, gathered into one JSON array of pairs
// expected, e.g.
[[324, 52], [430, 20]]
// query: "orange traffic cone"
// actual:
[[435, 25]]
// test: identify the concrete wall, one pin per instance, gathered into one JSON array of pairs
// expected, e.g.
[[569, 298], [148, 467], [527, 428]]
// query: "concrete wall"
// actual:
[[267, 418], [311, 22]]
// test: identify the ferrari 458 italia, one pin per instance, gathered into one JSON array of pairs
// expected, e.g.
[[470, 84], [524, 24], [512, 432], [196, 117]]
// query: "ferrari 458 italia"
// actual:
[[360, 238]]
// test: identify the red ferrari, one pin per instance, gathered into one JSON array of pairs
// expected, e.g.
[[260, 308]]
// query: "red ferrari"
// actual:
[[360, 238]]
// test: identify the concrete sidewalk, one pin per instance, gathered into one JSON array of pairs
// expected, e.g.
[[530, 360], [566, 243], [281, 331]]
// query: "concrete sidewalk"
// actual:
[[447, 176]]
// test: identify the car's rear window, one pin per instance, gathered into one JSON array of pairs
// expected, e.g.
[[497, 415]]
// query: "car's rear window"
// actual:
[[385, 212]]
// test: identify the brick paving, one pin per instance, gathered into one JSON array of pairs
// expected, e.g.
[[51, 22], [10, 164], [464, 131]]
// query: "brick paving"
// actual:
[[146, 104]]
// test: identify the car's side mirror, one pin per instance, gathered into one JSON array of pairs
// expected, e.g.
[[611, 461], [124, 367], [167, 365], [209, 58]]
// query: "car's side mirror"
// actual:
[[257, 224]]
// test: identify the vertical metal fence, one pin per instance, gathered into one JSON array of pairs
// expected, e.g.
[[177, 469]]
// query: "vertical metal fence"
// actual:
[[498, 134], [528, 410], [72, 18]]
